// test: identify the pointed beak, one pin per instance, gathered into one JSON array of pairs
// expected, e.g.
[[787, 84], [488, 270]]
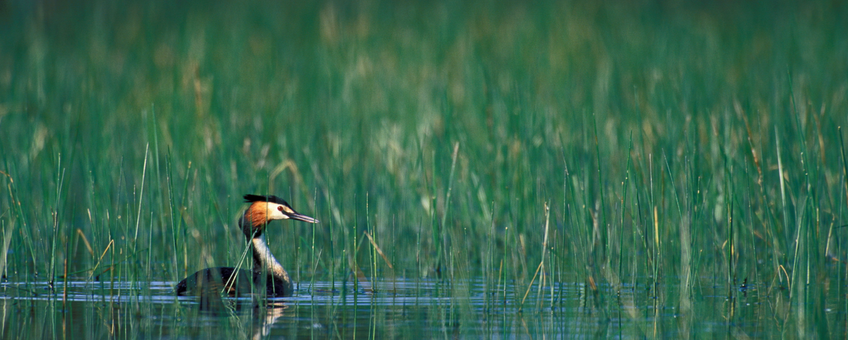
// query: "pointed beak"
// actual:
[[299, 217]]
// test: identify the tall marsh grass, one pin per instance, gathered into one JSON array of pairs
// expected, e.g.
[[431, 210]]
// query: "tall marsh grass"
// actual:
[[621, 144]]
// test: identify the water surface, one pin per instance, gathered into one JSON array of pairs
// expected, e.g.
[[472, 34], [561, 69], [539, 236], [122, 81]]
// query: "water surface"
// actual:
[[387, 309]]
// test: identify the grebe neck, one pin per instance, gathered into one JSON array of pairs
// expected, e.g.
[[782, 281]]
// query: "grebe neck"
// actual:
[[264, 260]]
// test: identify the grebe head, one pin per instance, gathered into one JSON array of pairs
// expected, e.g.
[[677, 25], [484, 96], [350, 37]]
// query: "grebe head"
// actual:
[[264, 209]]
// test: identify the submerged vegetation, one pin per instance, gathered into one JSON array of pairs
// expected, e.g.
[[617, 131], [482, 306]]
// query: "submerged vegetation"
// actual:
[[670, 150]]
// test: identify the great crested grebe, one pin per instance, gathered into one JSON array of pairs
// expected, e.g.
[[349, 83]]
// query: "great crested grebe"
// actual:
[[267, 273]]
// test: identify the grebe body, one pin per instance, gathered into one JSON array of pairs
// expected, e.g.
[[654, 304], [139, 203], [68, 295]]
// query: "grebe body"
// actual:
[[267, 274]]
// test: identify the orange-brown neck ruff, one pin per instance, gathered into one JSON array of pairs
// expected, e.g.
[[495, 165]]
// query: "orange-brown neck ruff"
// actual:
[[257, 214]]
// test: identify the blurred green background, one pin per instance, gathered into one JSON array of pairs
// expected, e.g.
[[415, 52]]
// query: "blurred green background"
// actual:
[[673, 141]]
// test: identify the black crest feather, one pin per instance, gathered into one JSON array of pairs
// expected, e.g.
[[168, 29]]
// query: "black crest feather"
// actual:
[[270, 198]]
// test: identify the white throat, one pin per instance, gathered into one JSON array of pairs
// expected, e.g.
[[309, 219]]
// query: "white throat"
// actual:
[[264, 258]]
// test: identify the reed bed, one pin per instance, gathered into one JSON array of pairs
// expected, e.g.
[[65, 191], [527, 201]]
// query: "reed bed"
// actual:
[[534, 146]]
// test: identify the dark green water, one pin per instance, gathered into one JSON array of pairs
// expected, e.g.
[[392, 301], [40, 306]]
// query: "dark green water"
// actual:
[[396, 309]]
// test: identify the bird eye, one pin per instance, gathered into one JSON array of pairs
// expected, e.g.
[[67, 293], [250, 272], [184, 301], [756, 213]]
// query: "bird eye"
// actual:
[[280, 208]]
